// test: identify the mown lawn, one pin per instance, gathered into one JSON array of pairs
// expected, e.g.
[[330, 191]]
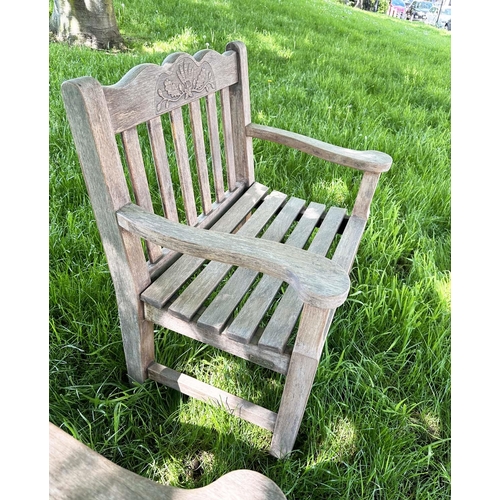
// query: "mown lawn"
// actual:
[[378, 421]]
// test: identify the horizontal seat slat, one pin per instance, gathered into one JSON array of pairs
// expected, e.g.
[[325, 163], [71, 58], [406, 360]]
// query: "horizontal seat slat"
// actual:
[[162, 289], [219, 311], [282, 322], [348, 245], [246, 323], [319, 282], [198, 290]]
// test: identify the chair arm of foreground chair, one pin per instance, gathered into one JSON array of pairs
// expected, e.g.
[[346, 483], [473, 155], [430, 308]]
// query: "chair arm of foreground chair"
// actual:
[[317, 280], [77, 472]]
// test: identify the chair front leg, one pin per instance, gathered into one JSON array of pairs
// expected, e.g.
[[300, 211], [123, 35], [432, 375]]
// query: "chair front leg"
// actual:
[[311, 337]]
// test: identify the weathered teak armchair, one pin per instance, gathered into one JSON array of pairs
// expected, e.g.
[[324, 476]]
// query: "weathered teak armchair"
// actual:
[[195, 268]]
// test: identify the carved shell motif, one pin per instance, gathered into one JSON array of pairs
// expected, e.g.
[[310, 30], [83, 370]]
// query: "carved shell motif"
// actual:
[[183, 81]]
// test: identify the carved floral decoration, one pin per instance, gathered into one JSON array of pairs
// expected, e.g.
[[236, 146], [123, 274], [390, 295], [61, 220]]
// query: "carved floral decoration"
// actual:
[[185, 79]]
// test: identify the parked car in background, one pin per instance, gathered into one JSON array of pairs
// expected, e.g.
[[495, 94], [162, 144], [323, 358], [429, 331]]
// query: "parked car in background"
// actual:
[[438, 17], [417, 11], [397, 8]]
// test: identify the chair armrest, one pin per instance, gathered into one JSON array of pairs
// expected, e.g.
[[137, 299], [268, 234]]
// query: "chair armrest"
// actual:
[[317, 280], [367, 161]]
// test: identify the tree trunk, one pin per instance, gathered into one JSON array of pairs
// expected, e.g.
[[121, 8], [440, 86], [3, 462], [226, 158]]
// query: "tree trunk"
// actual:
[[86, 22]]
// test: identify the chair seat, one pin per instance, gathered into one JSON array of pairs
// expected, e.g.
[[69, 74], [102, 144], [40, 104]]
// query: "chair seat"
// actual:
[[236, 309]]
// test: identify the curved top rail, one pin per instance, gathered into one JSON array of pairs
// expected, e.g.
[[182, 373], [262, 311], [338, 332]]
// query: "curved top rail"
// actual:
[[149, 90]]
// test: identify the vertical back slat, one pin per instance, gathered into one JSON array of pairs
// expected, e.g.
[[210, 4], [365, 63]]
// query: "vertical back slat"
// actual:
[[201, 156], [157, 141], [228, 138], [182, 156], [241, 117], [139, 181], [213, 129]]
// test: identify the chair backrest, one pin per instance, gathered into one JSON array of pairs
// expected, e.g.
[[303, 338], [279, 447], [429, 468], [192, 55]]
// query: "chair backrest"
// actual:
[[170, 138]]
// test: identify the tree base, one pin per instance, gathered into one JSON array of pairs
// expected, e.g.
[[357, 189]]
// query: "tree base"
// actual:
[[91, 24], [89, 40]]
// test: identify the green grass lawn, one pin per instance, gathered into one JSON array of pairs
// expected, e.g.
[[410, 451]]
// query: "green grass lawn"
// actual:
[[377, 425]]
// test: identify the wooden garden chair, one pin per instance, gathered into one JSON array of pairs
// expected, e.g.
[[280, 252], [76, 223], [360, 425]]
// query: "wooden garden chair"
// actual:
[[195, 268]]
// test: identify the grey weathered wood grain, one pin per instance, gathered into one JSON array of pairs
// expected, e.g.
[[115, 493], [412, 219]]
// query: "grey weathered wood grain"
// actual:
[[195, 388], [205, 221], [316, 285], [316, 279], [345, 252], [193, 297], [162, 289], [139, 181], [275, 361], [313, 329], [136, 168], [247, 321], [132, 100], [220, 310], [158, 149], [365, 194], [200, 155], [227, 127], [284, 318], [239, 95], [103, 172], [371, 161], [181, 153], [213, 129]]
